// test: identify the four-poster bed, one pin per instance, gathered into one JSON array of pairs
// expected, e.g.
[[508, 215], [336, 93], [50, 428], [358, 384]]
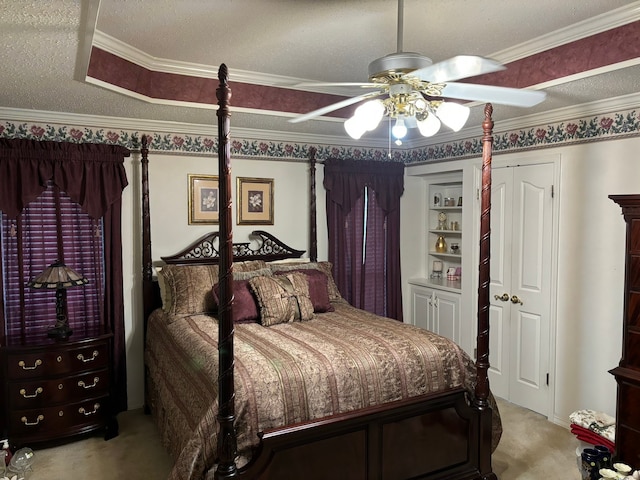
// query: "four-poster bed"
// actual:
[[409, 404]]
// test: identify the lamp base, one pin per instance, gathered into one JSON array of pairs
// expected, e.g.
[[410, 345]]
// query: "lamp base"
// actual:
[[59, 331]]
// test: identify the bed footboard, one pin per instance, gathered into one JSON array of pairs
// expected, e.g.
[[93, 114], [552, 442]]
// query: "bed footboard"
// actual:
[[437, 436]]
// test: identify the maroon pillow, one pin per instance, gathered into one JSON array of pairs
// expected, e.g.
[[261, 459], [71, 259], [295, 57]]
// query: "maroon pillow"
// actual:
[[245, 308], [318, 288]]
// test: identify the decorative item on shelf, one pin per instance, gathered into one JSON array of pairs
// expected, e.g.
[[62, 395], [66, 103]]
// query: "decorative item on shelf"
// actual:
[[454, 248], [451, 273], [442, 221], [59, 276], [436, 270], [449, 202], [437, 200], [459, 201], [441, 245]]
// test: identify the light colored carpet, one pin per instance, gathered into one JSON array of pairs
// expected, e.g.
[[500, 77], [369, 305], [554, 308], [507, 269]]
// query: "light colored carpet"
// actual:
[[531, 448]]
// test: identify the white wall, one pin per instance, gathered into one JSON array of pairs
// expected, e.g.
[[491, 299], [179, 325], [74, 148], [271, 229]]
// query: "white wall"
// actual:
[[170, 231], [590, 274], [590, 269]]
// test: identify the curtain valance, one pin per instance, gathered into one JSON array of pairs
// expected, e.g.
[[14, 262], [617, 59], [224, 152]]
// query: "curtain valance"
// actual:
[[93, 175], [345, 180]]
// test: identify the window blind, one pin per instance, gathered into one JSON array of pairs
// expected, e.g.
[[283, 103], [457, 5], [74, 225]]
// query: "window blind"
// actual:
[[51, 228]]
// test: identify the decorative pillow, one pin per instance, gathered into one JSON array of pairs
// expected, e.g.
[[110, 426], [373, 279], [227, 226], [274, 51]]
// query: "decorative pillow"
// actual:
[[165, 291], [188, 288], [249, 265], [334, 293], [283, 298], [245, 308], [318, 291], [247, 274]]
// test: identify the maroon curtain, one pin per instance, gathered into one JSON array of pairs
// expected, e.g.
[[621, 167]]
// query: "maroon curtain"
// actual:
[[363, 221], [93, 175]]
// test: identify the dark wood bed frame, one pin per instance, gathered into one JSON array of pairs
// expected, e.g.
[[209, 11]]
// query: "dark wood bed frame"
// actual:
[[435, 436]]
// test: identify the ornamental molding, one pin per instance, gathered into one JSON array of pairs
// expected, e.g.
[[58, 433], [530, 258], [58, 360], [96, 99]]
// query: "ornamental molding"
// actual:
[[554, 129]]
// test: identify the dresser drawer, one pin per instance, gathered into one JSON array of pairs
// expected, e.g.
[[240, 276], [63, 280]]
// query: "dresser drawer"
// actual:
[[59, 421], [29, 394], [46, 363]]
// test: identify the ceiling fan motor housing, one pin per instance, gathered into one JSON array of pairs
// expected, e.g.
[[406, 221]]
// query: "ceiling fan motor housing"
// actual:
[[397, 63]]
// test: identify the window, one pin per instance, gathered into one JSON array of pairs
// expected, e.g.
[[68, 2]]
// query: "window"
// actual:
[[52, 227], [363, 224]]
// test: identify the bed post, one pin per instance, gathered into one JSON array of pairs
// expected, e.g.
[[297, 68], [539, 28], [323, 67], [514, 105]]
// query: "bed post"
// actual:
[[147, 267], [313, 232], [227, 442], [482, 362]]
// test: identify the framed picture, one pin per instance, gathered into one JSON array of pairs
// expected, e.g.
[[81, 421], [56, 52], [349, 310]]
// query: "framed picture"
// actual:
[[204, 199], [255, 201]]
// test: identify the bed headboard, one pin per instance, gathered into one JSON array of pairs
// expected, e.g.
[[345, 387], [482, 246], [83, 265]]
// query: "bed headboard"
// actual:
[[205, 250]]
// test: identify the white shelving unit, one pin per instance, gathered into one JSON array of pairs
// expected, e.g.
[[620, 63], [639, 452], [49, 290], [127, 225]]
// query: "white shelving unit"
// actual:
[[444, 219]]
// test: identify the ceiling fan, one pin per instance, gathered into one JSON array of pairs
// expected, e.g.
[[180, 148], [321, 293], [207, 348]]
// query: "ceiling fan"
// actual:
[[412, 90]]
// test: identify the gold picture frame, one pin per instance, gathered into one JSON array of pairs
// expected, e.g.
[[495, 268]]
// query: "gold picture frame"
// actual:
[[204, 199], [255, 201]]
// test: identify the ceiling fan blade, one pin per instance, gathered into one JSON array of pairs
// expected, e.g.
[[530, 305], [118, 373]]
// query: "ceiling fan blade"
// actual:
[[460, 66], [338, 84], [489, 93], [334, 106]]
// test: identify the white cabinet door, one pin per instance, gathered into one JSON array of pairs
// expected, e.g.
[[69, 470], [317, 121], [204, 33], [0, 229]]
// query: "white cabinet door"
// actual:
[[436, 310], [421, 306], [446, 315]]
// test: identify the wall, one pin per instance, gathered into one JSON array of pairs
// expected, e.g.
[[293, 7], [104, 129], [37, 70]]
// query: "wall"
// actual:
[[170, 232], [590, 274], [591, 237]]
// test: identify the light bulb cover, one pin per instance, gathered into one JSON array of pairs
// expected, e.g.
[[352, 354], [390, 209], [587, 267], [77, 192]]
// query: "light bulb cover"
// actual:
[[370, 113], [399, 130], [429, 126], [354, 127], [453, 115]]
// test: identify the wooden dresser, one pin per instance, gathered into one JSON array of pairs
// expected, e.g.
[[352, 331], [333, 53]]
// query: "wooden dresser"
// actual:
[[57, 389], [627, 373]]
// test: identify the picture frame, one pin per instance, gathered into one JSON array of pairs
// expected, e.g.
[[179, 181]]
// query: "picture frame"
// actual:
[[204, 199], [254, 201]]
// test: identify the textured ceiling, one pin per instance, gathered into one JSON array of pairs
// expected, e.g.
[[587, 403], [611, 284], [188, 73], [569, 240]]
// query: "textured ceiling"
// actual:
[[46, 47]]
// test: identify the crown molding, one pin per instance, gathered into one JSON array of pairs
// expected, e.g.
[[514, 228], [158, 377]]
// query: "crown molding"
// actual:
[[127, 52], [160, 126], [586, 28], [615, 18]]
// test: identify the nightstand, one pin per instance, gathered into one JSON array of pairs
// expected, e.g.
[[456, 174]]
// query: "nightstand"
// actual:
[[57, 389]]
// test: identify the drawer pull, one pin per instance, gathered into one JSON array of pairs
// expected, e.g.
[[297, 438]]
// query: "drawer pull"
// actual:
[[96, 406], [85, 360], [23, 392], [38, 420], [85, 386], [24, 365]]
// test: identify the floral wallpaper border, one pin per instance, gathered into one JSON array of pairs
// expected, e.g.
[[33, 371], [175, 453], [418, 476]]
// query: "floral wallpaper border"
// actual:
[[593, 128]]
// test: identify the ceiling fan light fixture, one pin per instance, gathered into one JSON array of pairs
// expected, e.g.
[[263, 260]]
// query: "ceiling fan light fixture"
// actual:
[[369, 114], [399, 130], [453, 115], [354, 127], [429, 126]]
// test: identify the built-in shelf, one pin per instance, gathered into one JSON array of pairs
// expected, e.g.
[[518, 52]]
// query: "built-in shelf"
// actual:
[[453, 256], [440, 191]]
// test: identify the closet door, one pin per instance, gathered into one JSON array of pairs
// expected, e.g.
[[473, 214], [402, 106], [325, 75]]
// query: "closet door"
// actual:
[[520, 289]]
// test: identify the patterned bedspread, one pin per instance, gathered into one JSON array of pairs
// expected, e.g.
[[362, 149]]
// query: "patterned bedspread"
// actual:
[[339, 361]]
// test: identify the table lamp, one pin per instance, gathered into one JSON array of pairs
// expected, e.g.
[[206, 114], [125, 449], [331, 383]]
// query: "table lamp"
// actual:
[[59, 276]]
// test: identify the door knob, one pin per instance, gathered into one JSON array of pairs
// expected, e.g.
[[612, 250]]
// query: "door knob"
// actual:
[[504, 297], [515, 299]]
